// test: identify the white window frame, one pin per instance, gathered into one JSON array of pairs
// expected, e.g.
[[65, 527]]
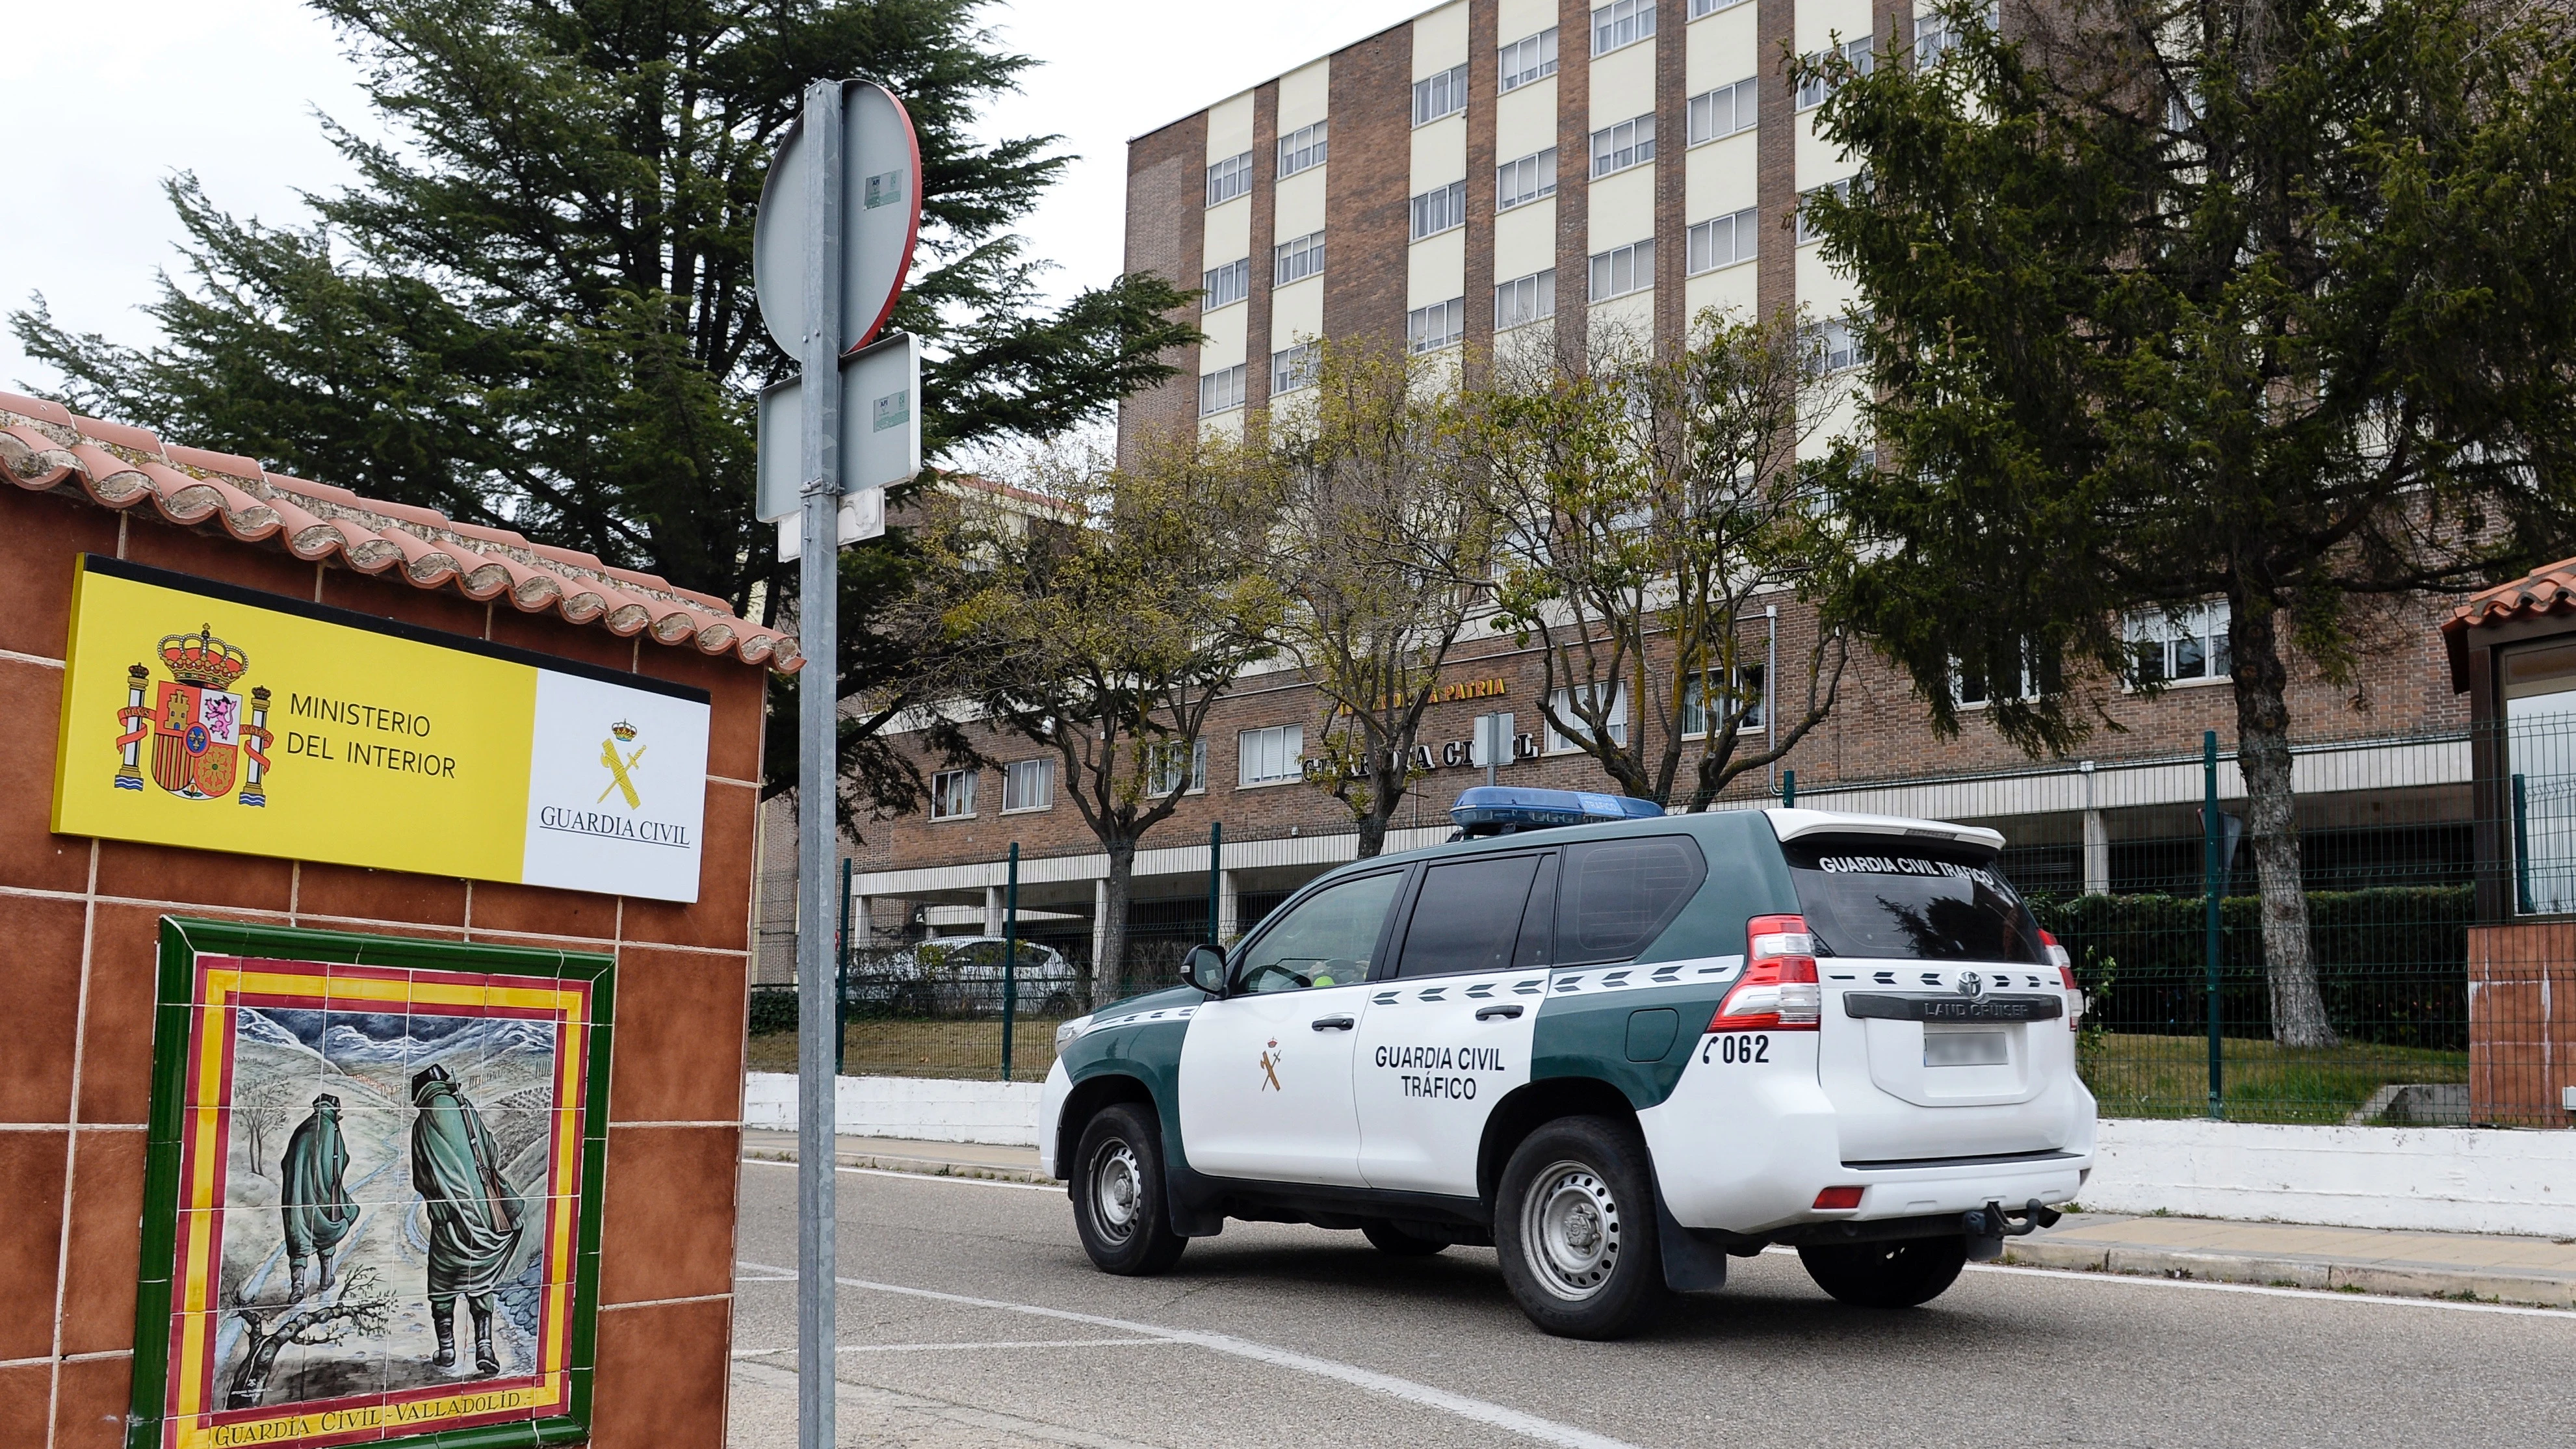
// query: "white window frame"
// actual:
[[1226, 285], [1438, 97], [1815, 91], [1221, 391], [1525, 61], [1442, 208], [1748, 682], [1622, 23], [1292, 369], [1711, 7], [1161, 759], [2200, 628], [1442, 324], [1617, 148], [1524, 300], [1305, 148], [2029, 683], [1562, 702], [1525, 179], [1297, 258], [1637, 256], [1840, 344], [1229, 178], [1935, 36], [1741, 233], [952, 794], [1806, 233], [1741, 102], [1016, 788], [1281, 748]]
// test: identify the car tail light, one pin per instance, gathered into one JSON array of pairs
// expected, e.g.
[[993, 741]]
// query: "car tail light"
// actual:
[[2065, 965], [1838, 1199], [1778, 990]]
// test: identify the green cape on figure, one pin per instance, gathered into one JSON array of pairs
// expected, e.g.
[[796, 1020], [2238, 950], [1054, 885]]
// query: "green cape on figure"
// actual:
[[473, 1216], [310, 1193]]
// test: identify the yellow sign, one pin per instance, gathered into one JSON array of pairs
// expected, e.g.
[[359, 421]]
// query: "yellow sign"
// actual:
[[208, 716]]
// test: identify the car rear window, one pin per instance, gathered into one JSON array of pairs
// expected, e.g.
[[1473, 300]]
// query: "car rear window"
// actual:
[[1912, 900], [1617, 896]]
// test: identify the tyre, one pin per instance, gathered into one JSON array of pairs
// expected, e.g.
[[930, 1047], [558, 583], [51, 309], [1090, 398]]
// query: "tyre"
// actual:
[[1118, 1205], [1396, 1242], [1901, 1274], [1574, 1226]]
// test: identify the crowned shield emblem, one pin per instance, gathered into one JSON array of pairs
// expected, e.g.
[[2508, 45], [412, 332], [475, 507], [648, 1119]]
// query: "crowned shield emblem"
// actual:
[[204, 738]]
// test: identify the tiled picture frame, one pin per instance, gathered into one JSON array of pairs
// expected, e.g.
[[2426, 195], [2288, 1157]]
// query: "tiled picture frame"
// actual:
[[371, 1202]]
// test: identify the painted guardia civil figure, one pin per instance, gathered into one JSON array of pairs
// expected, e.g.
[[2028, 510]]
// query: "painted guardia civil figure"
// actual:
[[312, 1198], [474, 1222]]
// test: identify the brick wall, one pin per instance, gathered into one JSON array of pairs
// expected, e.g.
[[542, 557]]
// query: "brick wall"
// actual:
[[1166, 194], [76, 1039], [1573, 173], [1368, 187]]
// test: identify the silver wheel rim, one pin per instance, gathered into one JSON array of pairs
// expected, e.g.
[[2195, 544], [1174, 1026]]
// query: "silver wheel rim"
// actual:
[[1117, 1187], [1570, 1230]]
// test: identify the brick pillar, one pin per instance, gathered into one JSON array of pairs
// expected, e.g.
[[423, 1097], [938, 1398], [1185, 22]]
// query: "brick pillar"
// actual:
[[1257, 345], [1776, 164], [1574, 173], [1368, 188], [1483, 43]]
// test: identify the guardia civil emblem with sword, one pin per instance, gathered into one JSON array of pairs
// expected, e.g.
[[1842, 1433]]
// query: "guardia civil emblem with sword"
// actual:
[[621, 766], [198, 729]]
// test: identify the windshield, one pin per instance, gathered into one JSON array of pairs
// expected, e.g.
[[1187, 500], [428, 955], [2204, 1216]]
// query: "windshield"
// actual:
[[1908, 899]]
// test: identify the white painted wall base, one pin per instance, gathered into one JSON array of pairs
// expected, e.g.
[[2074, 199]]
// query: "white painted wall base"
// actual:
[[922, 1109], [2430, 1179]]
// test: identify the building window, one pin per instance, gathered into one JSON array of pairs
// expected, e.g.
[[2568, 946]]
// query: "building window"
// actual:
[[1747, 695], [1622, 22], [1723, 241], [1164, 761], [1292, 368], [1295, 261], [1839, 343], [1444, 94], [1621, 270], [1525, 60], [1439, 209], [1976, 685], [2173, 648], [1229, 178], [1524, 300], [1517, 183], [1563, 702], [1629, 143], [952, 795], [1028, 785], [1266, 757], [1807, 229], [1302, 148], [1936, 35], [1862, 53], [1221, 390], [1442, 324], [1711, 7], [1226, 285], [1722, 112]]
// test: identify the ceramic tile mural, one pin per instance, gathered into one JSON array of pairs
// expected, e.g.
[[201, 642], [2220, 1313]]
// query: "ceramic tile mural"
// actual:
[[369, 1192]]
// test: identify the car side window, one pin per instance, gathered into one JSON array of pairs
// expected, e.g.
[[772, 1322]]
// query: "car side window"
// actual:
[[1467, 916], [1326, 939], [1617, 896], [1538, 922]]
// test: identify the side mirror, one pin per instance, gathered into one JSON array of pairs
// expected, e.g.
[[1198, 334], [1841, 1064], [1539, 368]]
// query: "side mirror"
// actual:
[[1204, 968]]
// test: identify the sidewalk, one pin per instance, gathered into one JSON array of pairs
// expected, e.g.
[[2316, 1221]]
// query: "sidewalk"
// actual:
[[2354, 1260]]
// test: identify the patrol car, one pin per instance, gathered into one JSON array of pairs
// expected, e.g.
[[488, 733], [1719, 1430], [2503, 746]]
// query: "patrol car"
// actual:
[[1618, 1052]]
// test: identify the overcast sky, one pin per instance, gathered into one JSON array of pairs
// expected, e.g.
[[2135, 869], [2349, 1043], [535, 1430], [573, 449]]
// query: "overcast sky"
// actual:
[[109, 97]]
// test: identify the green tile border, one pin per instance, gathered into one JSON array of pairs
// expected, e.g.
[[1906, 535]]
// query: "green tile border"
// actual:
[[182, 940]]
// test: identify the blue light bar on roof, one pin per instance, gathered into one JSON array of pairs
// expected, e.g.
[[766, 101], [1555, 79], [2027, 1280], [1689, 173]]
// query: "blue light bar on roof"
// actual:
[[1498, 809]]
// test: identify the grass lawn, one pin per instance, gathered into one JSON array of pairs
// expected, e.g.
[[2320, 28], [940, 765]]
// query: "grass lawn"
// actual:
[[925, 1049], [2168, 1076]]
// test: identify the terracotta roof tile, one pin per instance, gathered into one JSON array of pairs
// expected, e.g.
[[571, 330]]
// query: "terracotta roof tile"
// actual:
[[46, 448], [2548, 590]]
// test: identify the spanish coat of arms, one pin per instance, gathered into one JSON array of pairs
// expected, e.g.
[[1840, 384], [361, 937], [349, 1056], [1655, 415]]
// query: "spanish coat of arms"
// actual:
[[198, 730]]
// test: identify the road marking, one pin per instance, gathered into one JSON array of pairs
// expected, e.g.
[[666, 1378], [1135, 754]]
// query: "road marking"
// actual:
[[1528, 1426], [857, 1398], [941, 1347], [914, 1176]]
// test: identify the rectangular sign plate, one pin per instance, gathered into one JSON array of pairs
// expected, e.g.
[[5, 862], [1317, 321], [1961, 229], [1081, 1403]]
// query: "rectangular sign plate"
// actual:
[[880, 429]]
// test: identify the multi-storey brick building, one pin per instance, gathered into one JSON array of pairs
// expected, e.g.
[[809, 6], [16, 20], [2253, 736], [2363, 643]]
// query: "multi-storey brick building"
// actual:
[[1535, 167]]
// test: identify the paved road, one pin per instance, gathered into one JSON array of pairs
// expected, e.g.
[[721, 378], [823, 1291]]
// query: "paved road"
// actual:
[[968, 1316]]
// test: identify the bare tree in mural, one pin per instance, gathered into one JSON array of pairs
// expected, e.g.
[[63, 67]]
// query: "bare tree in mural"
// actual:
[[362, 1306], [260, 1114]]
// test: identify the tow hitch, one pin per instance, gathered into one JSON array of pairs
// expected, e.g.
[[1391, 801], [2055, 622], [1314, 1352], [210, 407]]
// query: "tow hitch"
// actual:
[[1988, 1226]]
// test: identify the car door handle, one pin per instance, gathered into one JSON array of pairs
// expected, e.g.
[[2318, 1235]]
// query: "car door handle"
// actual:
[[1333, 1023], [1503, 1009]]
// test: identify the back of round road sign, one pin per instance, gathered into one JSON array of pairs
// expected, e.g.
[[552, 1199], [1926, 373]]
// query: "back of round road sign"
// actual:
[[881, 220]]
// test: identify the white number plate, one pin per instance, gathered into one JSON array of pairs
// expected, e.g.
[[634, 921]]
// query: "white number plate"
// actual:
[[1964, 1049]]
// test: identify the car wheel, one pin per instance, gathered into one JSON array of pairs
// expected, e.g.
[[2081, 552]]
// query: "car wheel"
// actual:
[[1574, 1226], [1900, 1274], [1396, 1242], [1118, 1205]]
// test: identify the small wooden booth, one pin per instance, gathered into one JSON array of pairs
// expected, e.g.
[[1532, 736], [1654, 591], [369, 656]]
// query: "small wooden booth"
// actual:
[[378, 892]]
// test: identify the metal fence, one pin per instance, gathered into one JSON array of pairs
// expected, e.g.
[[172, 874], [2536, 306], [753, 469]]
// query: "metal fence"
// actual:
[[2440, 916]]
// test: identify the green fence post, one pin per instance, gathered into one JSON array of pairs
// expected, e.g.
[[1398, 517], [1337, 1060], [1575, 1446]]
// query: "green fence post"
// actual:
[[1789, 789], [1216, 876], [841, 997], [2522, 851], [1010, 957], [2214, 883]]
